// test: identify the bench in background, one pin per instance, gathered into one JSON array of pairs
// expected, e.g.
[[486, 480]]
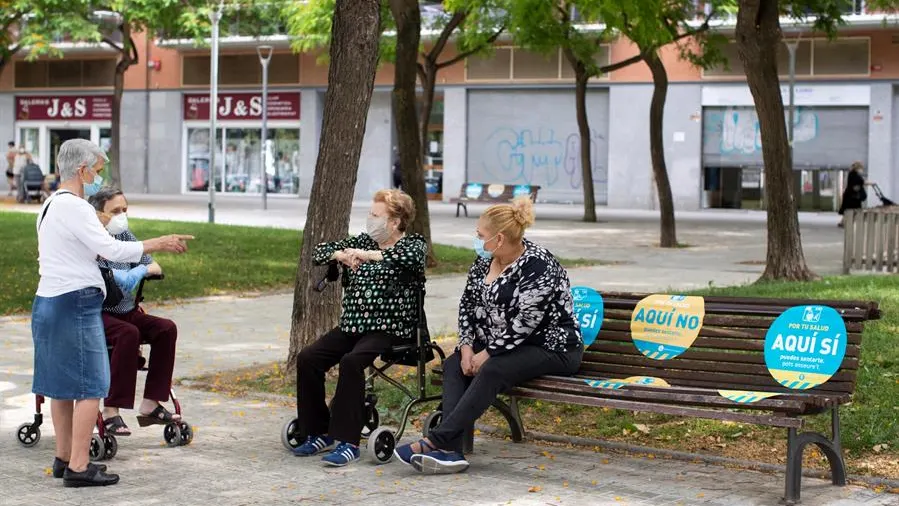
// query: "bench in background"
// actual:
[[491, 193]]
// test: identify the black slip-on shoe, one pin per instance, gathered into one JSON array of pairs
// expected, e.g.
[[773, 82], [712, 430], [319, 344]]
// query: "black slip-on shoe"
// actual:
[[91, 477], [59, 467]]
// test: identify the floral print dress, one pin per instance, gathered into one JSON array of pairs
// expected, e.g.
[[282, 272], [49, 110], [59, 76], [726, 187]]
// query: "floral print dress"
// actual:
[[529, 303], [380, 296]]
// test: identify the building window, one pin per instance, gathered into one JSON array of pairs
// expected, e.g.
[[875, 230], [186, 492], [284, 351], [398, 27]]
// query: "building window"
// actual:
[[492, 67], [242, 160], [67, 73], [842, 57], [508, 63], [814, 57], [241, 69]]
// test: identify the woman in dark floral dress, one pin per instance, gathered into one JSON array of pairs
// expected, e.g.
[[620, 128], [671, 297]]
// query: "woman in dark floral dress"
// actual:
[[516, 322], [379, 307]]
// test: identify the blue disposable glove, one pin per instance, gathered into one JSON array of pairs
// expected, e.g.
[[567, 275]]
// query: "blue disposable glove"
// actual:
[[129, 279]]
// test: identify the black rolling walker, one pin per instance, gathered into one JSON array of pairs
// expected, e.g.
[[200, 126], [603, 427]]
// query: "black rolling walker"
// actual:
[[104, 445], [381, 441]]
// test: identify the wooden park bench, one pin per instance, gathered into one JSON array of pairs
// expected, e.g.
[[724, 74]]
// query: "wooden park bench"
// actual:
[[728, 354], [491, 193]]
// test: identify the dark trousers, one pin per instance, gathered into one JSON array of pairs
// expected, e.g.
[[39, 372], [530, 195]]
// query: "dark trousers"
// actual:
[[354, 353], [125, 333], [466, 398]]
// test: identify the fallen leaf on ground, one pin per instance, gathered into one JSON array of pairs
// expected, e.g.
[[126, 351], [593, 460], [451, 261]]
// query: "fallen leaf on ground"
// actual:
[[535, 489], [642, 428]]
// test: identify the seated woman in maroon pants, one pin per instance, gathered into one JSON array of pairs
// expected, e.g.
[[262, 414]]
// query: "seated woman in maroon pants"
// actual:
[[127, 327]]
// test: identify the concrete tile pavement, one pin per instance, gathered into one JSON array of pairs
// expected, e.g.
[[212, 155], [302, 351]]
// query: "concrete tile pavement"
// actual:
[[237, 459]]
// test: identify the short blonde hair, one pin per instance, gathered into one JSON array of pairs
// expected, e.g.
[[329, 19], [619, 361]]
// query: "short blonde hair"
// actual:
[[399, 206], [511, 219], [857, 166]]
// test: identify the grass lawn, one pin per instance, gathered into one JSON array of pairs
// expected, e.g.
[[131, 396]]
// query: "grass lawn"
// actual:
[[222, 259], [870, 428]]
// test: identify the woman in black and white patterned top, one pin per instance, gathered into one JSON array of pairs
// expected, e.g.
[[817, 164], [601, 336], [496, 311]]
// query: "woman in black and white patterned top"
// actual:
[[516, 322]]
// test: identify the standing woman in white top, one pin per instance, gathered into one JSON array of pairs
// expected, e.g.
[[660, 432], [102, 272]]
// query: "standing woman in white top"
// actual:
[[71, 365]]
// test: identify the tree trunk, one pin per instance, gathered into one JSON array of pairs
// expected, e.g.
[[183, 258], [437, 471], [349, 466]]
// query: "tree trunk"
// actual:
[[127, 57], [427, 75], [668, 237], [407, 15], [583, 126], [759, 36], [355, 30]]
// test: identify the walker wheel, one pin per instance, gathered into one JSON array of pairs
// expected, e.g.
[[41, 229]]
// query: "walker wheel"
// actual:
[[172, 435], [381, 444], [290, 435], [187, 433], [110, 447], [431, 422], [372, 421], [27, 435], [98, 448]]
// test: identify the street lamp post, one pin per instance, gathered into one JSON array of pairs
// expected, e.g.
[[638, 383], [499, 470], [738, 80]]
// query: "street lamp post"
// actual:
[[215, 16], [265, 56]]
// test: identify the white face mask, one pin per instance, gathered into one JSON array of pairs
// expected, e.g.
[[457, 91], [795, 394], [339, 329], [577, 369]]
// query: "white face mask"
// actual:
[[376, 228], [118, 224]]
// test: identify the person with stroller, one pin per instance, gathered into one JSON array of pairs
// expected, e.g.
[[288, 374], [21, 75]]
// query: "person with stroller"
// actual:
[[10, 175], [855, 194], [71, 365], [127, 327], [22, 160], [381, 268], [516, 322]]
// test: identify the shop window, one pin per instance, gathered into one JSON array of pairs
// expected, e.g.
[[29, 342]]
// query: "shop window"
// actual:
[[533, 65], [239, 169], [803, 59], [603, 58], [496, 65], [65, 73], [241, 69], [842, 57]]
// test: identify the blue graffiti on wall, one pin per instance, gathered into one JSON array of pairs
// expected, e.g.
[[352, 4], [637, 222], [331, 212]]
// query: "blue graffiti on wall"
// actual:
[[540, 158], [738, 129]]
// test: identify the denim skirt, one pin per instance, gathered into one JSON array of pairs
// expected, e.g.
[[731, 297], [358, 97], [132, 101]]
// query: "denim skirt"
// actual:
[[70, 357]]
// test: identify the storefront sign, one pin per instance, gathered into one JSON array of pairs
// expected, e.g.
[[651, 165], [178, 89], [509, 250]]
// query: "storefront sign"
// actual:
[[805, 346], [243, 106], [588, 309], [805, 95], [664, 326], [64, 108]]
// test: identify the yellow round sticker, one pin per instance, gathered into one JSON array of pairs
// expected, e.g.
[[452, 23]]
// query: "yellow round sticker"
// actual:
[[745, 397], [664, 326]]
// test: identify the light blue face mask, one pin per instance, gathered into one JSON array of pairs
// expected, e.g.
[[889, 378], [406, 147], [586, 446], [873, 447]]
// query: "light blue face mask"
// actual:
[[91, 189], [479, 248]]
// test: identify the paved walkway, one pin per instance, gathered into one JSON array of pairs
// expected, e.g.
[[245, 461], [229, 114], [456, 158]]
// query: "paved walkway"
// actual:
[[237, 458]]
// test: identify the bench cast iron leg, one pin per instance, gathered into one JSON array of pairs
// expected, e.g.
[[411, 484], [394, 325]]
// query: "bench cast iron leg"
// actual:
[[512, 416], [831, 448]]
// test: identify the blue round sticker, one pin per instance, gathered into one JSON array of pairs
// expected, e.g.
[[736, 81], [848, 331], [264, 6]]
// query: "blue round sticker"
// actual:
[[805, 346], [588, 310]]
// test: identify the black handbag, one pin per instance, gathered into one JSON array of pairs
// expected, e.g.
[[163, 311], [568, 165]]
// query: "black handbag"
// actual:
[[114, 294]]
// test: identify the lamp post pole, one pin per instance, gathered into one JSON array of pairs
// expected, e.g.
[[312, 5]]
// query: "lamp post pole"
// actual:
[[265, 56], [214, 16]]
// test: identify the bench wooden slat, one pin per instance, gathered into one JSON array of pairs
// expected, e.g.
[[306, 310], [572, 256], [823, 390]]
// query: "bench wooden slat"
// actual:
[[714, 320], [664, 395], [665, 409], [680, 363], [710, 356], [723, 332], [776, 304], [705, 379]]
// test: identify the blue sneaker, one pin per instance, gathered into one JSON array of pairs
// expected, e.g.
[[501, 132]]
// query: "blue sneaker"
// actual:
[[313, 445], [405, 453], [342, 455], [439, 462]]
